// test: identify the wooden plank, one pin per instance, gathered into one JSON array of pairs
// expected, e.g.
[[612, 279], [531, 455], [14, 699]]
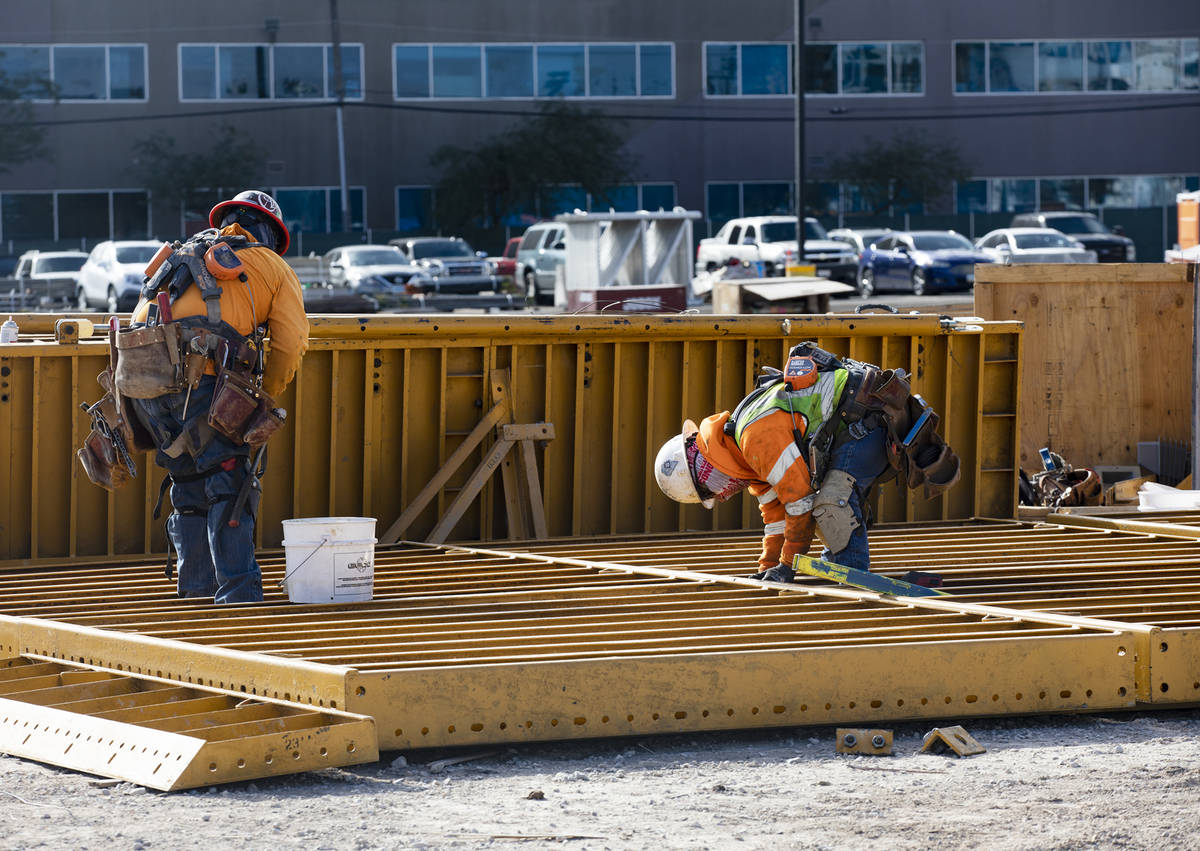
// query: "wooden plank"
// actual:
[[1106, 350], [493, 416]]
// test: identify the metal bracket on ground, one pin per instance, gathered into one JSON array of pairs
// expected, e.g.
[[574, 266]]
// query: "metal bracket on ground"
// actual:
[[955, 739], [870, 742]]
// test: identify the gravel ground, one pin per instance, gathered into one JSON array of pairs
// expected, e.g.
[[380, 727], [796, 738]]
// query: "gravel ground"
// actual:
[[1113, 781]]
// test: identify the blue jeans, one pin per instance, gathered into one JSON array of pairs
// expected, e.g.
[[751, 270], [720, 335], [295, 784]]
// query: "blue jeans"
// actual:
[[864, 459], [215, 559]]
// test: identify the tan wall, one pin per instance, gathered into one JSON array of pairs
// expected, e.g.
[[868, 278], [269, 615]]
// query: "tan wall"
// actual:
[[1107, 355]]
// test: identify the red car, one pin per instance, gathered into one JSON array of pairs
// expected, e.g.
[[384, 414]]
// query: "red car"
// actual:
[[506, 264]]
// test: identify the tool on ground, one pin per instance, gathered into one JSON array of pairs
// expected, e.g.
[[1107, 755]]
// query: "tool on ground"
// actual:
[[864, 579], [870, 742], [953, 739]]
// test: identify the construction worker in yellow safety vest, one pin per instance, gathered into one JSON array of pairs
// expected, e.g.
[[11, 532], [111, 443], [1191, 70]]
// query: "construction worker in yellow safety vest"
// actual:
[[808, 443]]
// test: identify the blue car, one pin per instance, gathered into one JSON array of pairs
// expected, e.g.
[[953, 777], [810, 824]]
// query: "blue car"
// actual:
[[919, 261]]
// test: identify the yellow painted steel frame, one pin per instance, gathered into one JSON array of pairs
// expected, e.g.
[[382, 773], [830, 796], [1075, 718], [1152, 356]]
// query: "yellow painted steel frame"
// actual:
[[381, 402], [159, 734]]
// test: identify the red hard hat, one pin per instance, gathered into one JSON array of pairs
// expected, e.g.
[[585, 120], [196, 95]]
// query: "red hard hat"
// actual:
[[263, 203]]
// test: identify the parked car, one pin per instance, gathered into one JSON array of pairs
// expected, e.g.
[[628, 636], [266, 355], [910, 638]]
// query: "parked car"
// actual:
[[860, 239], [505, 266], [379, 271], [449, 263], [43, 278], [919, 261], [1033, 245], [1084, 228], [771, 241], [113, 275], [542, 250]]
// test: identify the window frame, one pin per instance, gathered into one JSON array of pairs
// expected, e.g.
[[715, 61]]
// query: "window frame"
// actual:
[[533, 47], [326, 71], [52, 49], [54, 211], [838, 46], [1037, 91]]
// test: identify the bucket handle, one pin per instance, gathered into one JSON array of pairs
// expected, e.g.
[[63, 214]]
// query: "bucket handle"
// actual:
[[324, 541]]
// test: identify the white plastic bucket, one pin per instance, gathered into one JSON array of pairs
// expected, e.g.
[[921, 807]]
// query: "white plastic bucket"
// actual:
[[329, 559]]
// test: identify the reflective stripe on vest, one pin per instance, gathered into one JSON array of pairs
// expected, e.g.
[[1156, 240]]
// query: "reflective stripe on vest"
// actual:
[[816, 404]]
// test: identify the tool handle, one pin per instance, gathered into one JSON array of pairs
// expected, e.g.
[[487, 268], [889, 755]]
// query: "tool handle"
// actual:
[[164, 308]]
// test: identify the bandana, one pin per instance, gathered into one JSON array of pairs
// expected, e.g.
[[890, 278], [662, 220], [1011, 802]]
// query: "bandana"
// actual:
[[709, 478]]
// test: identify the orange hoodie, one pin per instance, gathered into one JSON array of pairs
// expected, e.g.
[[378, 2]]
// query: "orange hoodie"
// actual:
[[779, 475], [272, 295]]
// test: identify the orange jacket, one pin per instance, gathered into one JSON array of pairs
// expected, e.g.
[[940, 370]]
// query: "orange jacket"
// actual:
[[272, 295], [779, 477]]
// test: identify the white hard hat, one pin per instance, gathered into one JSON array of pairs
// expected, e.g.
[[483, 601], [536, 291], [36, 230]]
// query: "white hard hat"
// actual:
[[672, 471]]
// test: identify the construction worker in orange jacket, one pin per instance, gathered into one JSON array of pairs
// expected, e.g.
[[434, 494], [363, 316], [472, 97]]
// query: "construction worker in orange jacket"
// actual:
[[794, 421], [211, 528]]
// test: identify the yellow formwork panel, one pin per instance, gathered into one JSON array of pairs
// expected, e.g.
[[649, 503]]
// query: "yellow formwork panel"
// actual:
[[165, 736], [380, 403]]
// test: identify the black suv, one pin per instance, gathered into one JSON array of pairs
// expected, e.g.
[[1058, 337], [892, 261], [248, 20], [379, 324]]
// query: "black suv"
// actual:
[[1084, 228]]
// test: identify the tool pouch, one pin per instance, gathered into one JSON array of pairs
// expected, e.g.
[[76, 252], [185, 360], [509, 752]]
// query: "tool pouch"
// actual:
[[124, 421], [149, 363], [100, 462], [264, 423], [242, 411]]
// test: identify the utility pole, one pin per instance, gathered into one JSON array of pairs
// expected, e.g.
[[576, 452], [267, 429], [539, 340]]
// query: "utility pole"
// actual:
[[798, 76], [339, 85]]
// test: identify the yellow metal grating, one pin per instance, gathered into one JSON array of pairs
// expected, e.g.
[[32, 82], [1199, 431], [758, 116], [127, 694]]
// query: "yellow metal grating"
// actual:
[[164, 735]]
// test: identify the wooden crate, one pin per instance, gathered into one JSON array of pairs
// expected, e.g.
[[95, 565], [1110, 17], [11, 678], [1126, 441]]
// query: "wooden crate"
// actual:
[[1107, 354]]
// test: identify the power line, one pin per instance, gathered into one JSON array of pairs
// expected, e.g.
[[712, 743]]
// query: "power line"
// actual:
[[850, 115]]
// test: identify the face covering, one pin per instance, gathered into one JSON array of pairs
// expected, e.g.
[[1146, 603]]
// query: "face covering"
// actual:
[[253, 225], [709, 478]]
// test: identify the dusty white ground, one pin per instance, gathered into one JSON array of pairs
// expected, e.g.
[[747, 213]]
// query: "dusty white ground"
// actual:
[[1112, 781]]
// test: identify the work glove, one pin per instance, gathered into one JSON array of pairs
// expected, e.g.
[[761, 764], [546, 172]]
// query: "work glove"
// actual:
[[778, 573]]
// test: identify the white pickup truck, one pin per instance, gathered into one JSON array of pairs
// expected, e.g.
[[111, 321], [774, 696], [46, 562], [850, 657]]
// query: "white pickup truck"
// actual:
[[771, 240]]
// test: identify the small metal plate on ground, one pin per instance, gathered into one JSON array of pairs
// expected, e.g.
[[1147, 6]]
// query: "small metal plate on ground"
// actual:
[[955, 739], [871, 742]]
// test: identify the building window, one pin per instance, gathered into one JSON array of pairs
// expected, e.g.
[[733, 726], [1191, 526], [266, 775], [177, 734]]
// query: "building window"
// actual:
[[457, 71], [509, 70], [848, 68], [1060, 66], [529, 70], [84, 215], [318, 209], [612, 70], [971, 196], [1025, 194], [725, 201], [266, 71], [1057, 67], [414, 209], [560, 70], [1066, 193], [1010, 66], [864, 68], [821, 69], [83, 72], [1110, 66], [766, 69], [656, 70]]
